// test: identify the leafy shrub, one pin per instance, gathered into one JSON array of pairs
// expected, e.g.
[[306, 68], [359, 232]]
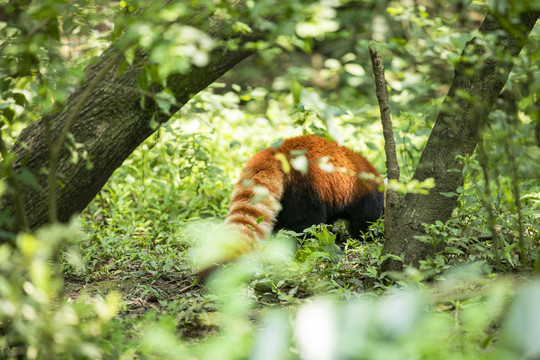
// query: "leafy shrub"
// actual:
[[36, 321]]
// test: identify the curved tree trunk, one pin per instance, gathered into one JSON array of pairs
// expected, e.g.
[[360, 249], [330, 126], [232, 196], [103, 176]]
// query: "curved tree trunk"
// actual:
[[109, 123], [479, 78]]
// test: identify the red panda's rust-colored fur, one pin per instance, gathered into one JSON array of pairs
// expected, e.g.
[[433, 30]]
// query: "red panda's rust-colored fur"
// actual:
[[262, 170], [334, 187]]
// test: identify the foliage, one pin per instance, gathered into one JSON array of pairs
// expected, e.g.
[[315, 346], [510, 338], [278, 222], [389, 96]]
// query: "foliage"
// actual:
[[130, 289], [35, 321]]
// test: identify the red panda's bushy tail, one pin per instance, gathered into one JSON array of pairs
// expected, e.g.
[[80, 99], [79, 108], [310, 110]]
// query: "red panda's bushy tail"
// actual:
[[256, 198]]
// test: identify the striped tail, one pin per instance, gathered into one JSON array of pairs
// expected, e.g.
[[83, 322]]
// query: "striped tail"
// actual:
[[256, 199]]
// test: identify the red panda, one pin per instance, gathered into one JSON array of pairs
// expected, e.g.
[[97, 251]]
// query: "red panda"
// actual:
[[347, 188]]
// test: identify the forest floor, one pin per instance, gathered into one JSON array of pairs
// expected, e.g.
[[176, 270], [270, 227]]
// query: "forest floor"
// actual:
[[183, 295], [153, 276]]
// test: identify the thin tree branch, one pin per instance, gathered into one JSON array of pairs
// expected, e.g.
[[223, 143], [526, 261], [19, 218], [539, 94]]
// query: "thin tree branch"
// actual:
[[392, 165]]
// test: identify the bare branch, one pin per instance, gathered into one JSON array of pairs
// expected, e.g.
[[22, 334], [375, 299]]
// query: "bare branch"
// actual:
[[392, 165]]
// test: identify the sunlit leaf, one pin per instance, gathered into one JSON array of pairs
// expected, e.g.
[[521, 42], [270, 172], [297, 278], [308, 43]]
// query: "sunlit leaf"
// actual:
[[300, 163]]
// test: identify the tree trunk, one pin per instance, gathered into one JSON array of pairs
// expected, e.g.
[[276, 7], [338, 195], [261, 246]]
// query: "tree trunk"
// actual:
[[479, 77], [109, 123]]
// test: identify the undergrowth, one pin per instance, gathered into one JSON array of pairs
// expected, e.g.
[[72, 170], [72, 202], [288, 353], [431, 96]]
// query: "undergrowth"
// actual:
[[138, 239]]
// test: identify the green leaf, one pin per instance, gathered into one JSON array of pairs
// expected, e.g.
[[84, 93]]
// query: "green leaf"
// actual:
[[296, 90], [521, 329], [153, 123], [372, 146], [129, 55], [316, 29], [9, 114], [242, 28], [19, 98], [273, 339], [453, 250], [355, 69], [300, 163], [27, 178], [142, 80], [284, 162], [165, 99], [4, 84], [122, 68], [277, 143]]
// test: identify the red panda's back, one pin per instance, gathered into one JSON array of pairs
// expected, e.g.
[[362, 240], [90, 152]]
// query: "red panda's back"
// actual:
[[335, 186], [335, 172]]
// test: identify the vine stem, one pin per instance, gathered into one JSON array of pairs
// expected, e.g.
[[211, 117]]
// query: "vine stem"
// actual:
[[20, 212], [482, 157]]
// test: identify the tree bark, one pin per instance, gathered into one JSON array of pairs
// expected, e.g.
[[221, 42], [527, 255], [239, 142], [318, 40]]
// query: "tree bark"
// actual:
[[109, 124], [479, 78]]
